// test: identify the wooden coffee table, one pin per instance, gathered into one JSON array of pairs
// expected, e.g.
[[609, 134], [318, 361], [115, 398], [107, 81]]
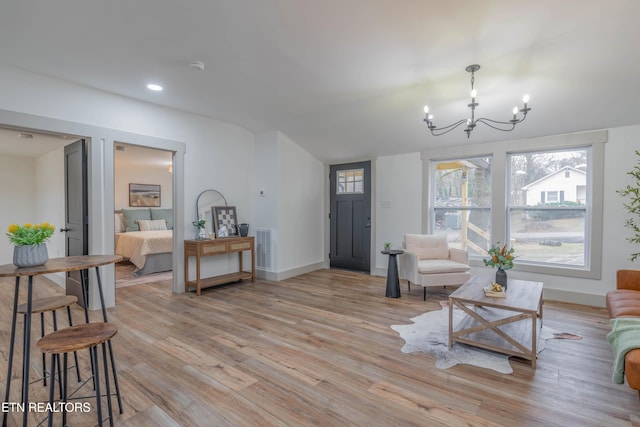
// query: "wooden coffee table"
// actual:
[[506, 325]]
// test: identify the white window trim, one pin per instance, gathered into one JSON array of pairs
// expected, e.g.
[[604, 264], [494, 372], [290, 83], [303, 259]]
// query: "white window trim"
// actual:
[[499, 150]]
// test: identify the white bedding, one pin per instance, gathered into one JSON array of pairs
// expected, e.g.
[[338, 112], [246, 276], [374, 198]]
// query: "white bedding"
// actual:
[[136, 245]]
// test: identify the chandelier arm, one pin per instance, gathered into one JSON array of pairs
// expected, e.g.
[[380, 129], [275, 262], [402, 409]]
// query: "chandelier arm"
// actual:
[[488, 122], [446, 129]]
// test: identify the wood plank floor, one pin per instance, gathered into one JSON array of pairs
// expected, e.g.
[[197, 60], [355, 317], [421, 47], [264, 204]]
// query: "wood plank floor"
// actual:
[[318, 349]]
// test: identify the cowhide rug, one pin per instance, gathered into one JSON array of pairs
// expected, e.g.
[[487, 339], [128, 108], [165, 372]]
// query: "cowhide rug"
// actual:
[[429, 333]]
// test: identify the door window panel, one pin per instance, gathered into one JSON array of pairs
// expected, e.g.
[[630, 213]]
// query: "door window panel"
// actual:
[[350, 181]]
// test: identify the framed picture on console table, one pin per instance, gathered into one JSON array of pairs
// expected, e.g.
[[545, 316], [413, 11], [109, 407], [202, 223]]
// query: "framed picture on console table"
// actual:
[[225, 217]]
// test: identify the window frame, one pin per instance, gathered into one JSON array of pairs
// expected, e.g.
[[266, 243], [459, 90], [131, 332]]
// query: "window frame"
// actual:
[[499, 152], [586, 208]]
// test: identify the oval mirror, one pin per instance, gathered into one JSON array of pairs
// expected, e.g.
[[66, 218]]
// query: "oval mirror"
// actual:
[[204, 204]]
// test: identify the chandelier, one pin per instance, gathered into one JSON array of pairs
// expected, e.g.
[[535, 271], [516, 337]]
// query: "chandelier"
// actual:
[[471, 122]]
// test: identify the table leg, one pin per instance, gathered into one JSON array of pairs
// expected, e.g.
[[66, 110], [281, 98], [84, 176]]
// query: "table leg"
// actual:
[[534, 340], [104, 309], [26, 357], [393, 281], [450, 322], [11, 347], [113, 362], [85, 293]]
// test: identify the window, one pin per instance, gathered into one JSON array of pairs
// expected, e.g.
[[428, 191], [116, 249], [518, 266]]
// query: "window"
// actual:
[[462, 206], [508, 201], [550, 229], [350, 181]]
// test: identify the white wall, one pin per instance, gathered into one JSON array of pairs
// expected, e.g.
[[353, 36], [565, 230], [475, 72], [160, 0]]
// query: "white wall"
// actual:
[[398, 208], [18, 178], [291, 204], [142, 175], [300, 207], [33, 189], [50, 202]]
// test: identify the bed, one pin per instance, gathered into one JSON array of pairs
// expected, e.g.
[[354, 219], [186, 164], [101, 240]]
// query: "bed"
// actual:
[[150, 251]]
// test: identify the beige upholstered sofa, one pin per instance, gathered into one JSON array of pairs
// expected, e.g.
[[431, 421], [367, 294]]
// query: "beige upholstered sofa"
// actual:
[[429, 261]]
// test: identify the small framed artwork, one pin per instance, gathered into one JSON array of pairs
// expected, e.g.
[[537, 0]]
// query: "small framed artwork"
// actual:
[[144, 195], [225, 221]]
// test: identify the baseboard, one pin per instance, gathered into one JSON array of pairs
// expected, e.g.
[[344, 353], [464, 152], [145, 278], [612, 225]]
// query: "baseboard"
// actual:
[[382, 272], [574, 297], [283, 275]]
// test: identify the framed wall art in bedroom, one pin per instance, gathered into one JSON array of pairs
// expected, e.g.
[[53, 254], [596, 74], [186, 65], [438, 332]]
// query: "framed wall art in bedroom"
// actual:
[[144, 195]]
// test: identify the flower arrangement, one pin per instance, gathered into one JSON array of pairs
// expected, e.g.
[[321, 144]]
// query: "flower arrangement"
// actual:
[[30, 234], [500, 257], [199, 223]]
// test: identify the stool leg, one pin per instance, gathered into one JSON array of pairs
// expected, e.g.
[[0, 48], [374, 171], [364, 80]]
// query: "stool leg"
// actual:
[[44, 356], [11, 346], [96, 381], [55, 328], [52, 387], [115, 376], [106, 381], [75, 353], [64, 396]]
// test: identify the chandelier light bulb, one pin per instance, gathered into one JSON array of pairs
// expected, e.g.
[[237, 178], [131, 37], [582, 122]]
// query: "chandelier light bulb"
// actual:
[[426, 109], [474, 93], [525, 99]]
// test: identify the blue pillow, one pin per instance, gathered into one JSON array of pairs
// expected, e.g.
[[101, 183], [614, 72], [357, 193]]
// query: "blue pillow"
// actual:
[[131, 217], [166, 214]]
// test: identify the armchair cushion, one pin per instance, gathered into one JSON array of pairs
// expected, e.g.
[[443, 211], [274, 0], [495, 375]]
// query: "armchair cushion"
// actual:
[[427, 246], [433, 266]]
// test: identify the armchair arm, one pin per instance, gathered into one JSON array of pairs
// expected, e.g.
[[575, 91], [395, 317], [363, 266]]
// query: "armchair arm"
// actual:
[[408, 266], [459, 255], [628, 279]]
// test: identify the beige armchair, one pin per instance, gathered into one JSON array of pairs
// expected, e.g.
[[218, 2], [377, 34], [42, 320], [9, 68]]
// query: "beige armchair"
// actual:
[[429, 261]]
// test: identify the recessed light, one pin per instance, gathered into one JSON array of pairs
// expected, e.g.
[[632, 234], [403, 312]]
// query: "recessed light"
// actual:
[[25, 135], [154, 87]]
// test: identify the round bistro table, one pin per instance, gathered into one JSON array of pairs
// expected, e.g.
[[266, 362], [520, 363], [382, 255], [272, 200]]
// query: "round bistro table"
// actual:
[[53, 265]]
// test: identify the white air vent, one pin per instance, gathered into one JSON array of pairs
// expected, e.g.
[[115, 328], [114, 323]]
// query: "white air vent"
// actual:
[[264, 249]]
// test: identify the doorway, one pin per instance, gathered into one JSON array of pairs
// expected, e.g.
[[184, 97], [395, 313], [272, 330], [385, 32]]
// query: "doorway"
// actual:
[[143, 190], [32, 170], [350, 216]]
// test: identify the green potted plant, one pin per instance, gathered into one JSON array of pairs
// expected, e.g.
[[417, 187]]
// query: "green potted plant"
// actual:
[[502, 258], [632, 206], [30, 243]]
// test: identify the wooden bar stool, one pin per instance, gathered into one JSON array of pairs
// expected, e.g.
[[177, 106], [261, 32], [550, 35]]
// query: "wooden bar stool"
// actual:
[[72, 339], [51, 304]]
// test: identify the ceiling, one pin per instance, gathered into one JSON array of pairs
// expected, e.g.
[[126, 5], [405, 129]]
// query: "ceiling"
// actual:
[[135, 156], [346, 79], [21, 143]]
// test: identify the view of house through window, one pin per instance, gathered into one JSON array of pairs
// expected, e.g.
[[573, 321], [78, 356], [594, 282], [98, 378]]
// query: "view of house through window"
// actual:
[[462, 205], [548, 206]]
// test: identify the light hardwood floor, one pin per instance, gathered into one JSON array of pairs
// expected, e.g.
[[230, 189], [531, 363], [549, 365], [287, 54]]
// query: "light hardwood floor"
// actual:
[[318, 349]]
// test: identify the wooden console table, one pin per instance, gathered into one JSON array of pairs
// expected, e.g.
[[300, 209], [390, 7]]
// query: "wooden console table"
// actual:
[[219, 246]]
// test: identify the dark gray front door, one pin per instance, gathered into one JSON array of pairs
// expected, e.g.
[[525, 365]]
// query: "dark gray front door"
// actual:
[[76, 226], [350, 216]]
